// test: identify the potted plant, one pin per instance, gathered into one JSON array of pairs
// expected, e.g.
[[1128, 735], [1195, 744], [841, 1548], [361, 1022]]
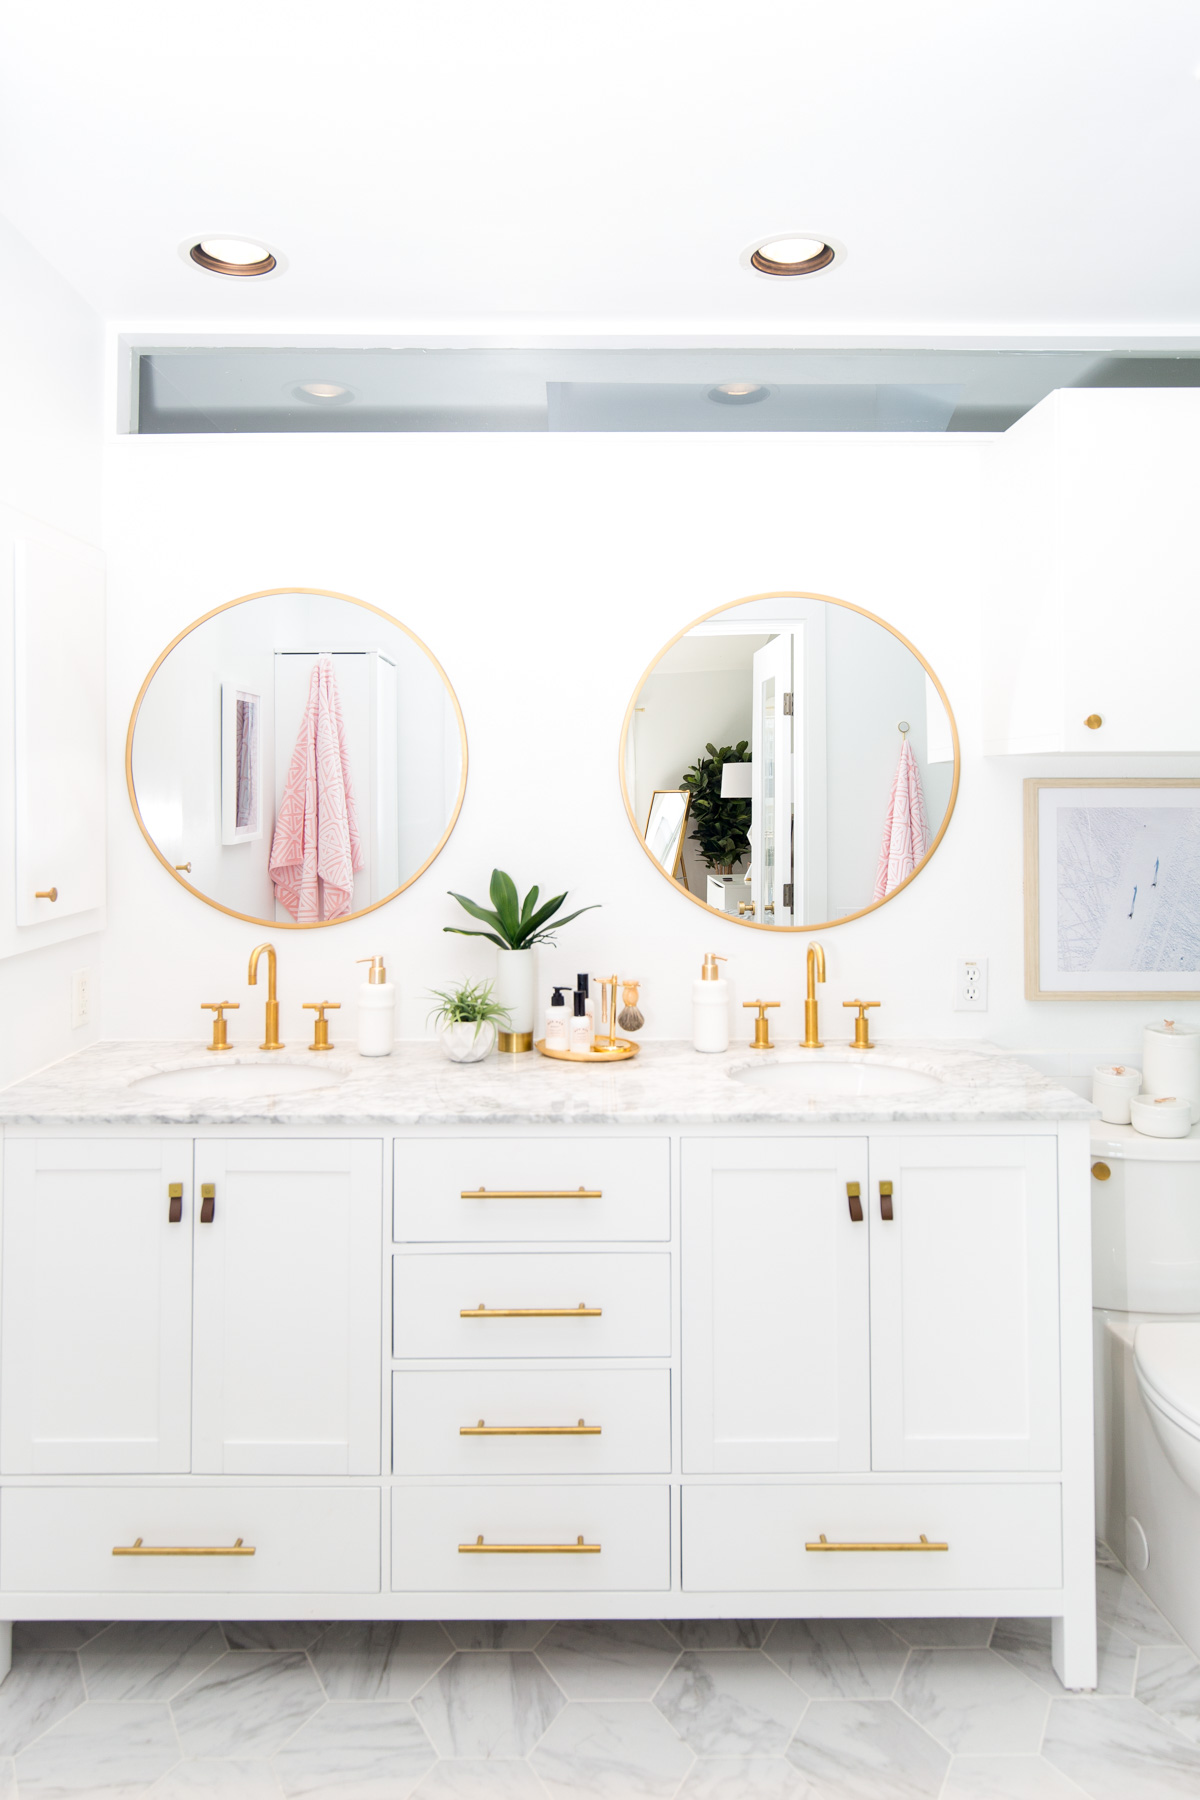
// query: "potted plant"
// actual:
[[514, 926], [467, 1018], [720, 827]]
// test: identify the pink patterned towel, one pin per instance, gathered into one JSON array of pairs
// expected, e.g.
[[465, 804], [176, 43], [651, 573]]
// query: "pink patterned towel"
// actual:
[[906, 832], [316, 847]]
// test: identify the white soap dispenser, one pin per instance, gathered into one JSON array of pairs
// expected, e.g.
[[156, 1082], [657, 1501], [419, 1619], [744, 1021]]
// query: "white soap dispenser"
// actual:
[[557, 1029], [710, 1007], [376, 1011]]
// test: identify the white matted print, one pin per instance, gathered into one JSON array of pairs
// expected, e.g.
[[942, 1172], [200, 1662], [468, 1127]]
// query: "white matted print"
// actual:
[[1112, 889], [241, 764]]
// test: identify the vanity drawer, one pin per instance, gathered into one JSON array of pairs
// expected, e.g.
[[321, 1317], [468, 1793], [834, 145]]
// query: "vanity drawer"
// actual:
[[626, 1302], [631, 1525], [627, 1413], [543, 1190], [749, 1538], [305, 1540]]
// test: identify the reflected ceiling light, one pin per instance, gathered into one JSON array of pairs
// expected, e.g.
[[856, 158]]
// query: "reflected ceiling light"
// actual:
[[738, 393], [321, 390], [232, 256], [791, 253]]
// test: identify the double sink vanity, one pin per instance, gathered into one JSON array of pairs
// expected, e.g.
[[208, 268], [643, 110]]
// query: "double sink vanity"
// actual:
[[795, 1333]]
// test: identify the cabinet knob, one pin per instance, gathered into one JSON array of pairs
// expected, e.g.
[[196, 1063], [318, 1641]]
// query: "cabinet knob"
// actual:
[[1093, 721], [46, 894], [1100, 1171]]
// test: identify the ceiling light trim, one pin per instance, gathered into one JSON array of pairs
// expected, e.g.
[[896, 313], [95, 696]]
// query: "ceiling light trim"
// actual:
[[190, 253], [752, 258]]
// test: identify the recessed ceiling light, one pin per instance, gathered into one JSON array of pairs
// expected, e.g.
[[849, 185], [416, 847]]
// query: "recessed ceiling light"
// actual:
[[232, 256], [792, 253], [738, 393], [321, 390]]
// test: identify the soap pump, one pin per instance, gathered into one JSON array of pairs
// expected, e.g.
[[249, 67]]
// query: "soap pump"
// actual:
[[710, 1007], [557, 1030], [376, 1011]]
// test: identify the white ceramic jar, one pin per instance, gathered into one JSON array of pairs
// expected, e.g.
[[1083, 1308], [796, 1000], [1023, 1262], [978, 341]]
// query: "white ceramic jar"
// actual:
[[1113, 1087], [1164, 1117], [1171, 1062], [467, 1040]]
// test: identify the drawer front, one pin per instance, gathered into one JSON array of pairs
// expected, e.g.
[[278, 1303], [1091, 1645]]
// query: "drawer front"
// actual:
[[631, 1525], [305, 1540], [617, 1305], [532, 1422], [567, 1189], [748, 1538]]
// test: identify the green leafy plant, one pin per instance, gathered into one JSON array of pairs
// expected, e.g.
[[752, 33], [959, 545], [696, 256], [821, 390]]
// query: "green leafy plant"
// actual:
[[470, 1003], [720, 827], [515, 924]]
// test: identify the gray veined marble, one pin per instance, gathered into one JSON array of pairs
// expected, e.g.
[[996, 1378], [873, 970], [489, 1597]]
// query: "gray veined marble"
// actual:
[[1006, 1778], [838, 1659], [608, 1659], [668, 1083], [33, 1636], [943, 1634], [148, 1660], [481, 1780], [1118, 1750], [1168, 1682], [972, 1700], [745, 1778], [356, 1750], [730, 1703], [206, 1778], [1026, 1644], [496, 1634], [867, 1750], [38, 1692], [273, 1634], [1122, 1604], [379, 1660], [496, 1705], [102, 1752], [610, 1750], [247, 1704], [720, 1634]]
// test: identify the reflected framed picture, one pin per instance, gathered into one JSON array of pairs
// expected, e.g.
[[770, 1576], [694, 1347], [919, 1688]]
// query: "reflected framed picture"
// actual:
[[666, 825], [241, 764], [1112, 889]]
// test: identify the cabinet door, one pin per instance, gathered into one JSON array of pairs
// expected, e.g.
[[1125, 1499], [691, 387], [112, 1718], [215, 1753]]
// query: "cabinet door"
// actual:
[[288, 1308], [97, 1307], [775, 1307], [964, 1304]]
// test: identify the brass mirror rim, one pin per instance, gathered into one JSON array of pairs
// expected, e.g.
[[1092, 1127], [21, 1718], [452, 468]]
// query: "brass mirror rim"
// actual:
[[255, 918], [747, 600]]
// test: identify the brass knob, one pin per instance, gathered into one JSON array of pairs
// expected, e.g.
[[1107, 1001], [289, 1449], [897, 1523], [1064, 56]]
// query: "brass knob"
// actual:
[[761, 1041], [1101, 1171], [1093, 721], [46, 894], [321, 1023], [218, 1008], [745, 906], [186, 868], [862, 1034]]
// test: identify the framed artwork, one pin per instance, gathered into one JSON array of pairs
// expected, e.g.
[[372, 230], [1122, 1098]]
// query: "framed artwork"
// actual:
[[1112, 889], [665, 828], [241, 764]]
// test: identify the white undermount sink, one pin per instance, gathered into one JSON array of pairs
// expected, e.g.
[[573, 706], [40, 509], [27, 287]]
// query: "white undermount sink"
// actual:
[[817, 1078], [236, 1081]]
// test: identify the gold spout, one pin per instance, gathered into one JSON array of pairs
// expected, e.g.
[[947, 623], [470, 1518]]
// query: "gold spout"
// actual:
[[271, 1040], [816, 972]]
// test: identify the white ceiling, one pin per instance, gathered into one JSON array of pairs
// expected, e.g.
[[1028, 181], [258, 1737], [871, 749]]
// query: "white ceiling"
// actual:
[[994, 167]]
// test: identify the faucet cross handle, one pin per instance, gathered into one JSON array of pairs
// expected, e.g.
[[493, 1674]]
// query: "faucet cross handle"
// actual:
[[862, 1034], [321, 1023], [762, 1040], [218, 1008]]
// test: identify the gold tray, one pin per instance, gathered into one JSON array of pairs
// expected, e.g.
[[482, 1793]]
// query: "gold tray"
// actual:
[[621, 1051]]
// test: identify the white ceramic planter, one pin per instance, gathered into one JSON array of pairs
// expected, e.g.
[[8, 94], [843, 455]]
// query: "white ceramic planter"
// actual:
[[515, 973], [463, 1043]]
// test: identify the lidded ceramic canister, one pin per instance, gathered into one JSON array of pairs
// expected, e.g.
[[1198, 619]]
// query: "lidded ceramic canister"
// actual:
[[1171, 1062], [1164, 1117], [1113, 1086]]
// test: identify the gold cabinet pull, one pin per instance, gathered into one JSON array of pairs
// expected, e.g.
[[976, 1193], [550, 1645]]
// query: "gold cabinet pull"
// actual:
[[885, 1202], [208, 1202], [1093, 721], [579, 1193], [1100, 1171], [530, 1312], [854, 1196], [138, 1548], [175, 1197], [578, 1548], [922, 1543], [46, 894], [482, 1430]]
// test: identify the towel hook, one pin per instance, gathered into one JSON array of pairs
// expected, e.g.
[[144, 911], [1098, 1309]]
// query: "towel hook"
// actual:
[[903, 727]]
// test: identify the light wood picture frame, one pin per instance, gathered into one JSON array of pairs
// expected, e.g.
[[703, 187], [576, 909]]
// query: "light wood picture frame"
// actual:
[[1112, 888]]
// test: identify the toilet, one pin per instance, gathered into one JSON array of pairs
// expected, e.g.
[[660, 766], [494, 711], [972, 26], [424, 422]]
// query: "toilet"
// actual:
[[1146, 1296]]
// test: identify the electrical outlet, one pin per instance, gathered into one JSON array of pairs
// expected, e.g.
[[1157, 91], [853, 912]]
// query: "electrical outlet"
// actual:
[[81, 997], [970, 986]]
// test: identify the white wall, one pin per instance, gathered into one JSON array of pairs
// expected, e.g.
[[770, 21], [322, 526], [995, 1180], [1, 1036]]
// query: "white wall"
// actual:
[[546, 572], [50, 467]]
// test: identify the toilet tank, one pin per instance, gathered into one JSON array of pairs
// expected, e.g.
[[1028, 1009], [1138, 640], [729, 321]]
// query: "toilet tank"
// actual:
[[1145, 1221]]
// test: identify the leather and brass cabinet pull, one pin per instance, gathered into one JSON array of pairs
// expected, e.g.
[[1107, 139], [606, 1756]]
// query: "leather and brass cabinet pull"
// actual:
[[885, 1202], [483, 1193], [922, 1543], [208, 1202], [530, 1312], [138, 1548], [854, 1196], [578, 1548], [175, 1208], [482, 1430]]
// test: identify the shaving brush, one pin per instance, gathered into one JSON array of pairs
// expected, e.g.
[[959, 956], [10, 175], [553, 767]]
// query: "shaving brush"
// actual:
[[629, 1018]]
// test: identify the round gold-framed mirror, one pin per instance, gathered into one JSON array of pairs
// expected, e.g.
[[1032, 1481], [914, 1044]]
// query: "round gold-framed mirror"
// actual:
[[790, 761], [296, 757]]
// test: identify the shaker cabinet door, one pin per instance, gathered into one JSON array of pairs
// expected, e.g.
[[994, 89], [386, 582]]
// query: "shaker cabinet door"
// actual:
[[964, 1303], [775, 1306], [287, 1307], [97, 1292]]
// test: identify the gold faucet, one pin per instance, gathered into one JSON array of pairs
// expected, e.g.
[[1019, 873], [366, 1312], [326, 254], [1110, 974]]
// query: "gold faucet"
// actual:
[[816, 972], [271, 1033]]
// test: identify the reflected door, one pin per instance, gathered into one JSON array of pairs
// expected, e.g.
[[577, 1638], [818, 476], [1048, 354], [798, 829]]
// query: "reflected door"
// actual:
[[773, 838]]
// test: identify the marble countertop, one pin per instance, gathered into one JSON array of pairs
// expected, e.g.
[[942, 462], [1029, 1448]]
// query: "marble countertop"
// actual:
[[666, 1084]]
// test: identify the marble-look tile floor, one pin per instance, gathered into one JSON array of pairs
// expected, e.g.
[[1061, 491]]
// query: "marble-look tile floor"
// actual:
[[748, 1709]]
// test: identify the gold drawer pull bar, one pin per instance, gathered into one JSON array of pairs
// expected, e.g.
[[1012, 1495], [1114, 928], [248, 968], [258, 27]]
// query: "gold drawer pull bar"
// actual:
[[578, 1548], [924, 1544], [482, 1430], [579, 1193], [530, 1312], [138, 1548]]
